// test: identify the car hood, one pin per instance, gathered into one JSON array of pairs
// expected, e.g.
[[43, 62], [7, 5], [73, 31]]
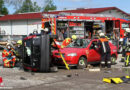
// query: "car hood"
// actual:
[[69, 50]]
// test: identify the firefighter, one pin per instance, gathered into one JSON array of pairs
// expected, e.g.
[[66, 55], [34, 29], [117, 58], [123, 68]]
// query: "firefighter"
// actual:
[[105, 51], [67, 41], [8, 57], [19, 48], [124, 47], [127, 49], [19, 52]]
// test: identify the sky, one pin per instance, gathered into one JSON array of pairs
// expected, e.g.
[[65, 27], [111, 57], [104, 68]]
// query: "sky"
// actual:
[[73, 4]]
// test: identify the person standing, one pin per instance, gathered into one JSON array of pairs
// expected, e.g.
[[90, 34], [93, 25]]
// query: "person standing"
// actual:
[[105, 51], [127, 49], [19, 52], [8, 57], [124, 47]]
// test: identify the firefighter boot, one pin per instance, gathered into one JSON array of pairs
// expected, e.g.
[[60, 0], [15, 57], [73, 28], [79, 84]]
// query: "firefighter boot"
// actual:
[[11, 64], [122, 59], [102, 64], [127, 61], [108, 64]]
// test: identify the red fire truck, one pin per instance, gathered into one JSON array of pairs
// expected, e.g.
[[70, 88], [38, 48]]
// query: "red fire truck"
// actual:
[[84, 25]]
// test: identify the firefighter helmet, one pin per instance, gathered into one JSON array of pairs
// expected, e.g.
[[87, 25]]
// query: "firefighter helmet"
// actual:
[[101, 34], [74, 37], [8, 46], [19, 42]]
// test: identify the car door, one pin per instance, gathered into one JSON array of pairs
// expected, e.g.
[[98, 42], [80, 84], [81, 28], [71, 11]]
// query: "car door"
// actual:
[[94, 52]]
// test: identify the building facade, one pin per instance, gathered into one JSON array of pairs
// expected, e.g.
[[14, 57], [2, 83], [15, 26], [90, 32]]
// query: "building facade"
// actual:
[[19, 27], [24, 24]]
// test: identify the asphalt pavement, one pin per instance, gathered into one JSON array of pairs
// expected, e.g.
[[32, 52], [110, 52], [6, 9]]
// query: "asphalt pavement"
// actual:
[[74, 79]]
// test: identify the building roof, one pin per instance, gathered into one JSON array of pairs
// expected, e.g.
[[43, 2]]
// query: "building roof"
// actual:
[[21, 16], [89, 10], [39, 14]]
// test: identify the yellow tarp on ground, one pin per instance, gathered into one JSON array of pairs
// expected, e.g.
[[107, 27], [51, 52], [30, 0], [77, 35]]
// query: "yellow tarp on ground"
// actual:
[[117, 80]]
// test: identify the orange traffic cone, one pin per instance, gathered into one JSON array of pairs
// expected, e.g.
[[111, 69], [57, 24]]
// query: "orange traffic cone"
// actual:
[[1, 82]]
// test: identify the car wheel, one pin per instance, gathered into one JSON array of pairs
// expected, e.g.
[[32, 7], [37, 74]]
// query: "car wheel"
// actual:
[[82, 63], [113, 59]]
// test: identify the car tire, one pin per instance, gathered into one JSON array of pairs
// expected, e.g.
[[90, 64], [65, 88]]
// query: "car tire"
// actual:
[[113, 60], [82, 63]]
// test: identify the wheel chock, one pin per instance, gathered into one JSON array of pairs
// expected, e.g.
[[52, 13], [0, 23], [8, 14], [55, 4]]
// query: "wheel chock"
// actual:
[[117, 80], [107, 80]]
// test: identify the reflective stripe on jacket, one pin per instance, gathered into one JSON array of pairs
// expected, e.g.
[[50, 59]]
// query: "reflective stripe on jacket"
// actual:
[[66, 42], [104, 45]]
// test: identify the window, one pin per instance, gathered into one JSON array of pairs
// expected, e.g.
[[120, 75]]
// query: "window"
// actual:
[[125, 25]]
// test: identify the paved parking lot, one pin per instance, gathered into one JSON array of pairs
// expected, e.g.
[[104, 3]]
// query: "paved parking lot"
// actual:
[[73, 79]]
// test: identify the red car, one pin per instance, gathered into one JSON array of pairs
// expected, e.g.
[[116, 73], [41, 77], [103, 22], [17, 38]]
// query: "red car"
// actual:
[[81, 52]]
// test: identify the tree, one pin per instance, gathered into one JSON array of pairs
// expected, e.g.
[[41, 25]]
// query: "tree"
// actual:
[[28, 6], [49, 6], [3, 9], [15, 3], [22, 6], [36, 7], [64, 8]]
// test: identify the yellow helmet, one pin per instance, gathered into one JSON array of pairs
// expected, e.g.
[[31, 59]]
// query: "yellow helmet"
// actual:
[[19, 42], [74, 37]]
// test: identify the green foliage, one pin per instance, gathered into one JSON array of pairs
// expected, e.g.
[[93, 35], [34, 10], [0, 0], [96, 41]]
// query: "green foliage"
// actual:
[[15, 3], [36, 7], [28, 6], [49, 6], [64, 8], [3, 9]]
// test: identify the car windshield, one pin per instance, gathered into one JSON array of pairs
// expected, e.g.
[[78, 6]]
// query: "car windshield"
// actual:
[[79, 43]]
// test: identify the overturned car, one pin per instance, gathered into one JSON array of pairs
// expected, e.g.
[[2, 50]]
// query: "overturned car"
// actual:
[[81, 52]]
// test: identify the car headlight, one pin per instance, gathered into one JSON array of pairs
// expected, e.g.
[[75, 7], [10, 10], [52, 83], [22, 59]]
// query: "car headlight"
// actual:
[[72, 54]]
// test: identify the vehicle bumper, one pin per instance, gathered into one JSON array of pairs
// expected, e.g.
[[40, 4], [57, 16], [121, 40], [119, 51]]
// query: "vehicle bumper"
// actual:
[[72, 61]]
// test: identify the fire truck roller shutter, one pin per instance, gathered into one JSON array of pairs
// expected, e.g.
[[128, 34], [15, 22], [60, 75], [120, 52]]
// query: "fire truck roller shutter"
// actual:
[[45, 53]]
